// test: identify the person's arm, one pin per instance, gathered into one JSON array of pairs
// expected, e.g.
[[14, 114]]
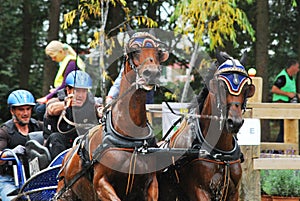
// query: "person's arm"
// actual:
[[276, 90], [115, 88], [70, 67], [278, 84], [3, 142], [55, 107]]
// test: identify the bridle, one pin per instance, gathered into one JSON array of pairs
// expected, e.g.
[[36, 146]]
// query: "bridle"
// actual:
[[137, 41]]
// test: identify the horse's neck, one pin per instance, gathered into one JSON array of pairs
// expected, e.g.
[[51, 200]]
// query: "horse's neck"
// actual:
[[213, 131], [129, 113]]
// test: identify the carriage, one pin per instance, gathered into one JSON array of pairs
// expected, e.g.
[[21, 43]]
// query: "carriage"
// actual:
[[42, 182]]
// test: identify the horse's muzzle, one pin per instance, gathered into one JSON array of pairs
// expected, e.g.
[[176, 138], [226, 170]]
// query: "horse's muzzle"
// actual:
[[233, 125], [151, 76]]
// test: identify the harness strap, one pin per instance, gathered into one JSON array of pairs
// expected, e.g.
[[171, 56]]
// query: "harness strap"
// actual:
[[131, 172], [226, 182], [77, 176], [171, 128], [217, 162], [73, 181], [175, 170]]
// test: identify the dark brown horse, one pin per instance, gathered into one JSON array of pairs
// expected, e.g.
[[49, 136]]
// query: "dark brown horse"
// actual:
[[211, 170], [111, 162]]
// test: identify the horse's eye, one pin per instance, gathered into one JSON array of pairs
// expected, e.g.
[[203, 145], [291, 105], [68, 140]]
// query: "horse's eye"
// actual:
[[160, 54], [137, 51]]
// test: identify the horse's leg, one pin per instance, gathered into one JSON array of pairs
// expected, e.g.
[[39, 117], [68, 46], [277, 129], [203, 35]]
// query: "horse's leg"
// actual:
[[104, 190], [152, 191]]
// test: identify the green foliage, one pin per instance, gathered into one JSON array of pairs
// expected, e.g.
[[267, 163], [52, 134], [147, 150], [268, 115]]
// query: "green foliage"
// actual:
[[212, 21], [284, 183], [88, 10]]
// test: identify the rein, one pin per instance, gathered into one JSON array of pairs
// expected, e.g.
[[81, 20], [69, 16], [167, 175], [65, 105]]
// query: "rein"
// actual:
[[76, 125]]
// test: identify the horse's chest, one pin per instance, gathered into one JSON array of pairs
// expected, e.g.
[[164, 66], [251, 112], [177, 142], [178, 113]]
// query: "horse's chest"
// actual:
[[224, 181], [217, 180]]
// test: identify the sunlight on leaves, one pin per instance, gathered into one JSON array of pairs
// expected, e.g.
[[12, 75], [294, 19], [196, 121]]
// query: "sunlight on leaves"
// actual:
[[211, 20]]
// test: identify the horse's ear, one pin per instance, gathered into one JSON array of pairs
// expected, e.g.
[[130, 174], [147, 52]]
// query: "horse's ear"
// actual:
[[220, 57], [163, 56], [251, 91], [244, 59], [129, 30]]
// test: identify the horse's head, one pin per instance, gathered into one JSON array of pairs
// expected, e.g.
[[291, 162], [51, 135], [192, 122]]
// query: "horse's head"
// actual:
[[230, 87], [144, 53]]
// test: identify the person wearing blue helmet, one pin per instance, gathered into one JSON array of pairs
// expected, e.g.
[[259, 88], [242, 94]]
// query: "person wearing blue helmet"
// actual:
[[14, 135], [64, 119]]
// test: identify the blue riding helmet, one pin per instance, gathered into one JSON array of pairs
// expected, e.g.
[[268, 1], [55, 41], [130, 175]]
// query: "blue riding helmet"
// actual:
[[79, 79], [20, 97]]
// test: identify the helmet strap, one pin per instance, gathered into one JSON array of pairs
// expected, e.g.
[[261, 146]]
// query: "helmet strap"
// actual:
[[21, 123]]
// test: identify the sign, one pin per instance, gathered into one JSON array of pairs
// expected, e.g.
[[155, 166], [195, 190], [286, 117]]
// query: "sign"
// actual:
[[249, 133], [34, 166]]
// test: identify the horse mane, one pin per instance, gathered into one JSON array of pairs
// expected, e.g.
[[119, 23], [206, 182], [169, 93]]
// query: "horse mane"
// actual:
[[198, 100]]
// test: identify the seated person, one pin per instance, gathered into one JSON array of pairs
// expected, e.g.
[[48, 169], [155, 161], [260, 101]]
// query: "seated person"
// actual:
[[14, 135], [63, 117]]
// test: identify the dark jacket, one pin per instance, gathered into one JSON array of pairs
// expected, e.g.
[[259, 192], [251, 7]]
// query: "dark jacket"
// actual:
[[10, 137]]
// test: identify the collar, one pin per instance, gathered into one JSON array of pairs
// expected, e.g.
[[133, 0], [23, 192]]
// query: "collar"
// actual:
[[212, 151]]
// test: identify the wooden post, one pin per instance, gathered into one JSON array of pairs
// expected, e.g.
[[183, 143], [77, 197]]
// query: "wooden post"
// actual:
[[257, 98], [250, 182], [291, 131]]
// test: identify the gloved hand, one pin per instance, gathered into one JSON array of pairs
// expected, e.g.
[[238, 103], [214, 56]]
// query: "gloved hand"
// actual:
[[19, 149]]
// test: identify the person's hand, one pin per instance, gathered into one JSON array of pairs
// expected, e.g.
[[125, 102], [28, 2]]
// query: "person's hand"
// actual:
[[68, 100], [108, 99], [99, 109], [42, 100], [20, 150], [291, 94]]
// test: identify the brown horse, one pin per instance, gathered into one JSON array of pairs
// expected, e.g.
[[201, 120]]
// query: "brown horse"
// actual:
[[111, 162], [211, 170]]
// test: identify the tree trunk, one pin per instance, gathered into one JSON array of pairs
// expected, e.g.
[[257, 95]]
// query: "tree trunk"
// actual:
[[50, 67], [26, 59], [261, 49]]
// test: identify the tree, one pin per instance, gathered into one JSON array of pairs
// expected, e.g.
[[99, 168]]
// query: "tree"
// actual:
[[261, 49], [99, 9], [54, 27], [210, 23], [26, 59]]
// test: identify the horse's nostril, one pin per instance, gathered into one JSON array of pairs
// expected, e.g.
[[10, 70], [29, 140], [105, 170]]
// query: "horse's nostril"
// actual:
[[158, 74], [230, 123], [234, 125], [146, 73]]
